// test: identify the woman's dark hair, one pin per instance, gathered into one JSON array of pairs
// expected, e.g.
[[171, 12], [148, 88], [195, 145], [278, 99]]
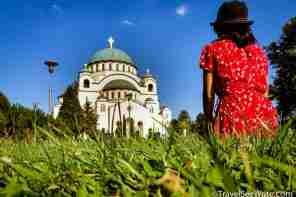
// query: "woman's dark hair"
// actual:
[[240, 33]]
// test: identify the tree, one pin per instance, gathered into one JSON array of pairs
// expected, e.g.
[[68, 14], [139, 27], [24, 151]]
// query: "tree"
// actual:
[[19, 121], [4, 109], [71, 112], [174, 124], [184, 121], [4, 103], [3, 123], [282, 54], [89, 119], [200, 125]]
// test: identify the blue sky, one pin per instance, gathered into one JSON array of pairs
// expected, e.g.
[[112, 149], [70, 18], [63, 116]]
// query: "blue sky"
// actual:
[[165, 36]]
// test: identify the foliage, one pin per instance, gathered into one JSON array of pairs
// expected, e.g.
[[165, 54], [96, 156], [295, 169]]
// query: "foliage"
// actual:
[[282, 54], [174, 124], [71, 112], [200, 125], [3, 121], [4, 103], [174, 166], [183, 123], [19, 121], [89, 119]]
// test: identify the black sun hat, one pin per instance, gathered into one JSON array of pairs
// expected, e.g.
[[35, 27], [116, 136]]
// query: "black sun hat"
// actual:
[[233, 12]]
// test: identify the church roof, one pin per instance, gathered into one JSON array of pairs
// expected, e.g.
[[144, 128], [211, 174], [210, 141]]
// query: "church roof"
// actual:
[[111, 54], [119, 84]]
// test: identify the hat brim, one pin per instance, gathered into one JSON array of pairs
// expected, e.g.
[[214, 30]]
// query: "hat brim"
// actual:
[[237, 21]]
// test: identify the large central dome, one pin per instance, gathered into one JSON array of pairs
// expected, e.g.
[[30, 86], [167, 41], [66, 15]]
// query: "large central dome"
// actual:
[[112, 54]]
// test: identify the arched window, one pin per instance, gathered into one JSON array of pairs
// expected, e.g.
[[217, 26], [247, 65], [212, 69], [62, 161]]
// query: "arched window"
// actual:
[[110, 66], [86, 83], [123, 67], [119, 94], [150, 88], [97, 67], [112, 95], [103, 67], [117, 67]]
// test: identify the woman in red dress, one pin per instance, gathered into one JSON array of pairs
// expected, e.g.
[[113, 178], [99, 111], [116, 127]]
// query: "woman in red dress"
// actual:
[[235, 68]]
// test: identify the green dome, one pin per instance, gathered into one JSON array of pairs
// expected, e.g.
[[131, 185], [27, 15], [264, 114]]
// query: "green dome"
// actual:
[[119, 84], [112, 54]]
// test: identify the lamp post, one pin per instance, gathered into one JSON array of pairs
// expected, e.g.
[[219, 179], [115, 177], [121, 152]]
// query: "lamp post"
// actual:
[[51, 66]]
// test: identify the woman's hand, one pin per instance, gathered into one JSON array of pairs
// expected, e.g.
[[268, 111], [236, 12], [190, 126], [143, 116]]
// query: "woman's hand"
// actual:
[[208, 94]]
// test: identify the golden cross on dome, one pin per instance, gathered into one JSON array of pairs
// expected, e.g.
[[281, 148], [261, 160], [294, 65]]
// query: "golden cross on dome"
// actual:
[[111, 41]]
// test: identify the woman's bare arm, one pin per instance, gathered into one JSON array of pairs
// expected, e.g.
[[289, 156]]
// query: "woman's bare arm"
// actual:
[[208, 94], [266, 94]]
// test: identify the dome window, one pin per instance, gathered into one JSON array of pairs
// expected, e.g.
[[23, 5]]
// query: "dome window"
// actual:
[[86, 83], [150, 88]]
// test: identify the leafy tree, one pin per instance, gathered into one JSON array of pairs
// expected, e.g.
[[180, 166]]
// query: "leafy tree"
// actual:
[[89, 119], [18, 121], [184, 121], [174, 124], [71, 112], [3, 122], [282, 54], [4, 103], [4, 108], [200, 125]]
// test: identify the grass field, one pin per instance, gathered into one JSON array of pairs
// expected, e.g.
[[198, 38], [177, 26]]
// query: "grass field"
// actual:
[[174, 166]]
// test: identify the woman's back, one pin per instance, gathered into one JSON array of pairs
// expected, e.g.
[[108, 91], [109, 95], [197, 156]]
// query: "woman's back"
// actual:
[[241, 84], [244, 68]]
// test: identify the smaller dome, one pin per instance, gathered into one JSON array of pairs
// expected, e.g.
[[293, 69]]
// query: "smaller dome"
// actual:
[[119, 84], [148, 74]]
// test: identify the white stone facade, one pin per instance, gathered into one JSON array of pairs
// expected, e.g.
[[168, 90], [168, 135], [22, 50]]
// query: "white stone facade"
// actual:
[[110, 82]]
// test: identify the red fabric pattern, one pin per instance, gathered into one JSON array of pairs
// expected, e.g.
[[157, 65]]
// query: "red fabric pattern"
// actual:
[[241, 76]]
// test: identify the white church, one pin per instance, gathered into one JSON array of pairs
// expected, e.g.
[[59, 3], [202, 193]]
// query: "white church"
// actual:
[[119, 95]]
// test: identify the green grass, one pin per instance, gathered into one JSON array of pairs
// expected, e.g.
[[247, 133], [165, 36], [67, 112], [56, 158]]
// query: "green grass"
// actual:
[[175, 166]]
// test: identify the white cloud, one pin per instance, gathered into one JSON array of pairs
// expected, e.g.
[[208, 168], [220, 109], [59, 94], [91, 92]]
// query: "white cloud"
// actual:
[[127, 22], [182, 10]]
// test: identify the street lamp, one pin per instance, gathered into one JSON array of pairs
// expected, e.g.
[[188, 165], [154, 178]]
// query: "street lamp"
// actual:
[[51, 66]]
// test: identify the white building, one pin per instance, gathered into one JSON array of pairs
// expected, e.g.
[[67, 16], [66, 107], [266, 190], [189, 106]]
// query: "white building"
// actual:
[[110, 82]]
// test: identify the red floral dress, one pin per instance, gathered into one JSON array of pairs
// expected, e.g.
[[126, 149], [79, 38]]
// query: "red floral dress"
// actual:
[[240, 83]]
